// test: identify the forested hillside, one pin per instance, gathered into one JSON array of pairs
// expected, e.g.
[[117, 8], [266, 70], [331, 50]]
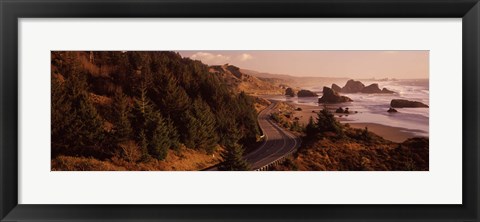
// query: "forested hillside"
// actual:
[[128, 108]]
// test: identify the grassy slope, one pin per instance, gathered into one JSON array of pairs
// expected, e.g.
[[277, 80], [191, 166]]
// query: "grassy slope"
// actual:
[[186, 160], [240, 81], [355, 152]]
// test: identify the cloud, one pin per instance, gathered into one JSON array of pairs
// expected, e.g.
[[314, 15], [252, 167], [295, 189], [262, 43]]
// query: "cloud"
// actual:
[[245, 57], [210, 58], [220, 59]]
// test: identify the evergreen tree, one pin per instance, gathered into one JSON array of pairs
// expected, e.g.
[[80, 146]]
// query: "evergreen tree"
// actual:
[[62, 118], [229, 131], [143, 110], [75, 121], [172, 134], [173, 103], [143, 144], [154, 129], [188, 127], [91, 130], [326, 122], [160, 141], [311, 128], [120, 115], [170, 96], [233, 159], [247, 117], [204, 126]]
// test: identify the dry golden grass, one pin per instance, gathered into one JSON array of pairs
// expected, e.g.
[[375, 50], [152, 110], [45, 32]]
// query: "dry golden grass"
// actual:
[[127, 160], [243, 82], [285, 107], [189, 159], [68, 163], [354, 155], [356, 152], [261, 103]]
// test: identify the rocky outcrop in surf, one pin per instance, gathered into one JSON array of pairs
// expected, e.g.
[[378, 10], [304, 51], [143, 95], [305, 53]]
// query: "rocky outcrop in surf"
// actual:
[[373, 88], [392, 110], [330, 96], [289, 92], [403, 103], [306, 93], [336, 88], [353, 86]]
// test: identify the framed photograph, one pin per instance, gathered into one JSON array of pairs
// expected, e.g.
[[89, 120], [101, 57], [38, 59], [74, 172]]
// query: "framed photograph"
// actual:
[[226, 110]]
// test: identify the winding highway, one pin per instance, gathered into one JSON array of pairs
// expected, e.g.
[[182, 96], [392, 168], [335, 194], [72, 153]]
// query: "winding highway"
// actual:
[[278, 142]]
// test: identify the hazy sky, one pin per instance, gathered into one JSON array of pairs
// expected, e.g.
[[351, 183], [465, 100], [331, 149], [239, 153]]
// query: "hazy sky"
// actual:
[[353, 64]]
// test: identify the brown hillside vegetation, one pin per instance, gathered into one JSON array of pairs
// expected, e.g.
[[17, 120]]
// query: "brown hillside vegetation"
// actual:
[[284, 116], [87, 62], [330, 146], [240, 81], [328, 154], [187, 160], [261, 103]]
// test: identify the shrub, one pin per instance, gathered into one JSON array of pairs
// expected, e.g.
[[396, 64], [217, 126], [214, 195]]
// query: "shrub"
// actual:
[[326, 122], [296, 126], [130, 151], [276, 117]]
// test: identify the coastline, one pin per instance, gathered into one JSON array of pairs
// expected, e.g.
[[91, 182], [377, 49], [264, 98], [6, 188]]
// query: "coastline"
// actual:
[[395, 134]]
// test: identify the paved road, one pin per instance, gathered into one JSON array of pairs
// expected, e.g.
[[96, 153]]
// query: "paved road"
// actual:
[[277, 142]]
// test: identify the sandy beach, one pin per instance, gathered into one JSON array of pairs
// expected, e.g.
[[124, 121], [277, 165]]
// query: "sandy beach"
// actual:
[[395, 134]]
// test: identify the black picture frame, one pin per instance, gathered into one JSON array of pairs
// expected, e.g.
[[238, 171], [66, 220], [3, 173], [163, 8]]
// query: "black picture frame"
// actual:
[[11, 11]]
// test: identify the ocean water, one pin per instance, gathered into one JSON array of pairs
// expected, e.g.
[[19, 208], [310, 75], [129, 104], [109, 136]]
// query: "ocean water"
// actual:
[[372, 108]]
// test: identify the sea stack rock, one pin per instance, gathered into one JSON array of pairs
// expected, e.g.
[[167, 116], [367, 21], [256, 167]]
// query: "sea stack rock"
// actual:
[[330, 96], [385, 90], [392, 110], [336, 88], [289, 92], [306, 93], [353, 86], [373, 88], [402, 103]]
